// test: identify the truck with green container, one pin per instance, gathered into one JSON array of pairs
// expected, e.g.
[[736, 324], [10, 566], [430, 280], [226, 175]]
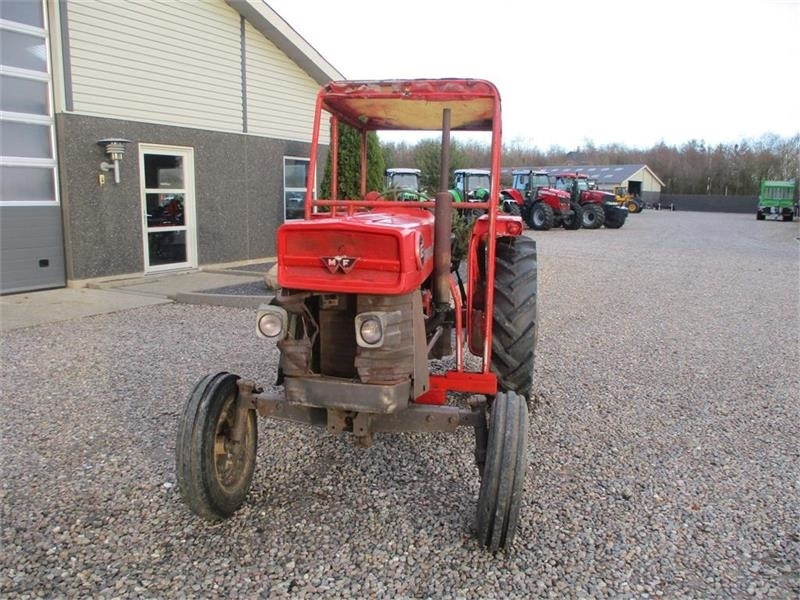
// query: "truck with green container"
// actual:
[[777, 200]]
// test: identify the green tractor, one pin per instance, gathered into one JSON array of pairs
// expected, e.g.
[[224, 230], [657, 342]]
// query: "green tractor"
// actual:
[[473, 185], [404, 184], [777, 199]]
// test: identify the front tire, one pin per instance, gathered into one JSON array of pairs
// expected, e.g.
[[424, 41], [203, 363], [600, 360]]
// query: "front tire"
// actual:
[[214, 473], [542, 217], [615, 220], [575, 221], [500, 496], [593, 216], [512, 208], [514, 326]]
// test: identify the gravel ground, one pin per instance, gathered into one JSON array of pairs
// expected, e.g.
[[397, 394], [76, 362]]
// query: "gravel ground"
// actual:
[[664, 446]]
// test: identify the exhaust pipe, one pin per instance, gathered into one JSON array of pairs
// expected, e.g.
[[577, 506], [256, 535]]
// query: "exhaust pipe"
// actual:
[[442, 245]]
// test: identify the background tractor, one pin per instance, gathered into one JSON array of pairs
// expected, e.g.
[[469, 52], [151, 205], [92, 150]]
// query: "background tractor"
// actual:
[[625, 198], [776, 200], [368, 297], [404, 183], [599, 208], [541, 206], [474, 186]]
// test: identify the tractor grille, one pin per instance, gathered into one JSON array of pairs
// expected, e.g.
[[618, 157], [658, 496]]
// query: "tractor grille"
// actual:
[[337, 336]]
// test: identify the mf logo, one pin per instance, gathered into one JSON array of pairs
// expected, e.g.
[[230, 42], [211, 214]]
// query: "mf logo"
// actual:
[[339, 263]]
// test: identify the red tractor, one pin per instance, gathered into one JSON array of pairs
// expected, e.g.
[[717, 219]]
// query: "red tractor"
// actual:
[[599, 208], [368, 296], [541, 206]]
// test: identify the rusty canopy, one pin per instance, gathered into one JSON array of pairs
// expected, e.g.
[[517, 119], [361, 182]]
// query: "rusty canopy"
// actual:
[[413, 104]]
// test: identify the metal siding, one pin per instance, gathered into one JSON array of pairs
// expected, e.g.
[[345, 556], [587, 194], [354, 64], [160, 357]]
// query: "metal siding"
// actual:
[[280, 95], [649, 183], [162, 62], [29, 234]]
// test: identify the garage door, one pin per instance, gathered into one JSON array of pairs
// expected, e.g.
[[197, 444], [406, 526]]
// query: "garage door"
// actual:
[[31, 238]]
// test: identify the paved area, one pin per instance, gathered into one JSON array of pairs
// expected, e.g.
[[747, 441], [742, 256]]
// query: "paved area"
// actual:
[[242, 287]]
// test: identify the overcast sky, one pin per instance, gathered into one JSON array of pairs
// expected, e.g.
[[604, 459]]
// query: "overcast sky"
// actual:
[[572, 71]]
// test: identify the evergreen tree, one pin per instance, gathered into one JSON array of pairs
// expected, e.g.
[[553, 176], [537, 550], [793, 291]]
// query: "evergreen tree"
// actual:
[[349, 172], [428, 158]]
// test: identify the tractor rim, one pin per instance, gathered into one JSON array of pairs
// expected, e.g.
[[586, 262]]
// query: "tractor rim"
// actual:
[[229, 457]]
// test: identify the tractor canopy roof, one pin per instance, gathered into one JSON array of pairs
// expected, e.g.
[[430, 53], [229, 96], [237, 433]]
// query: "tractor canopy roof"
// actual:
[[402, 171], [473, 171], [524, 171], [413, 104]]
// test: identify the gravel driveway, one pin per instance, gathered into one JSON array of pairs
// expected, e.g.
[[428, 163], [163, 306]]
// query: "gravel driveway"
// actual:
[[664, 446]]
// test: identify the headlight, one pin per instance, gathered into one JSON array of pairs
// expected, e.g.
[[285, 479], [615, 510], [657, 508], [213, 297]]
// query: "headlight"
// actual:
[[371, 331], [372, 328], [272, 322]]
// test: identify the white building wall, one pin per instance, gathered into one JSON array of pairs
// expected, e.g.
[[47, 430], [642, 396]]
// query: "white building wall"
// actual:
[[280, 95], [173, 62]]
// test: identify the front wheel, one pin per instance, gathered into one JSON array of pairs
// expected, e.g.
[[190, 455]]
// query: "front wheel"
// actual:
[[214, 472], [542, 217], [593, 216], [615, 221], [512, 208], [575, 220], [500, 496]]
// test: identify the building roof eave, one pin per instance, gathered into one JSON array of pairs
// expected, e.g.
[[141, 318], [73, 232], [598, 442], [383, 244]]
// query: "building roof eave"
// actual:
[[273, 27]]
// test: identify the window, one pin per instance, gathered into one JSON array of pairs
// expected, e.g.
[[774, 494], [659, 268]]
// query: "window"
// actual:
[[295, 174], [27, 137]]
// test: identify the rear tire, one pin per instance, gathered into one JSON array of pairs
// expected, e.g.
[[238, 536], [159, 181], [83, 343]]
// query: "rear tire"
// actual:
[[593, 216], [214, 473], [500, 496], [760, 216], [542, 217], [575, 221], [788, 217], [514, 326]]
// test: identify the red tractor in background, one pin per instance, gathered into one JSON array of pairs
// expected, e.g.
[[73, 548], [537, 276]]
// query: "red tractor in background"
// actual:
[[368, 296], [541, 206], [599, 208]]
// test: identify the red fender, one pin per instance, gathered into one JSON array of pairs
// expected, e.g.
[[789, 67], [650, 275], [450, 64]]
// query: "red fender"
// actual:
[[514, 194]]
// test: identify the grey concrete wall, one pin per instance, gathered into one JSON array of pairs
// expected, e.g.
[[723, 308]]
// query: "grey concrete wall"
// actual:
[[238, 186], [710, 203]]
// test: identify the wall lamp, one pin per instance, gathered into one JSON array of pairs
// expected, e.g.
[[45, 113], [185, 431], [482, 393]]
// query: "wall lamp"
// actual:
[[115, 148]]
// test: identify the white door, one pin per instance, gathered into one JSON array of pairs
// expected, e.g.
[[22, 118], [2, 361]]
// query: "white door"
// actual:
[[168, 208]]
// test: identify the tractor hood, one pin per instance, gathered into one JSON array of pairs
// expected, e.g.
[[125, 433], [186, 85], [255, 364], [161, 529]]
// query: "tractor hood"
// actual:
[[386, 252]]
